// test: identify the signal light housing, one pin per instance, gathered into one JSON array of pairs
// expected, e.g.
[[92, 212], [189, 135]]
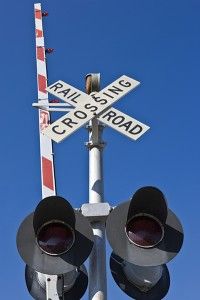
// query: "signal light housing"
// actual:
[[141, 289], [143, 233], [74, 283], [49, 240], [55, 237], [147, 201]]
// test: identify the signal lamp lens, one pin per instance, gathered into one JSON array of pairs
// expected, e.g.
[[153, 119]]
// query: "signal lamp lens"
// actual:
[[144, 231], [55, 238]]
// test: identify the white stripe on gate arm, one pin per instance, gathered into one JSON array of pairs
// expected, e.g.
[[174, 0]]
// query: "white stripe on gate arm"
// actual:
[[88, 107]]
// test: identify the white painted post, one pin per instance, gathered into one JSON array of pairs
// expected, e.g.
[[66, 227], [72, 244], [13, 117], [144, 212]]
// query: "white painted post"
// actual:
[[97, 262]]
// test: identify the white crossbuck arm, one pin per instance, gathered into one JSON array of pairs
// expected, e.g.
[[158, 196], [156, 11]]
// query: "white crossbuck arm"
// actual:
[[94, 105]]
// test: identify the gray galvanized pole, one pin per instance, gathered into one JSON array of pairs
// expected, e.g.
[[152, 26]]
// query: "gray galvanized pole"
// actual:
[[97, 262]]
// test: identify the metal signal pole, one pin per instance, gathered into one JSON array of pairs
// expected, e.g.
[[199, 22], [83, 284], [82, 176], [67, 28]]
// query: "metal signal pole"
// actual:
[[97, 261]]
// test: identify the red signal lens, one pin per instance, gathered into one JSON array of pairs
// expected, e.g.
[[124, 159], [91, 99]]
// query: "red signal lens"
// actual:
[[144, 231], [55, 238]]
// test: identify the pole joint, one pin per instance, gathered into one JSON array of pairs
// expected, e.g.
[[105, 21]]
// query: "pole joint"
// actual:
[[101, 126], [90, 145]]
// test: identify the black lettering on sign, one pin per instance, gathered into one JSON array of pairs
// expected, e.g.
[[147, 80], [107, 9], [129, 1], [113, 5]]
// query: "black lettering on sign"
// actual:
[[126, 84], [56, 86], [91, 107], [136, 129], [57, 132], [109, 115], [117, 120], [99, 100], [115, 90], [108, 95], [72, 95], [73, 99], [126, 125], [64, 92], [67, 95], [80, 114], [69, 122]]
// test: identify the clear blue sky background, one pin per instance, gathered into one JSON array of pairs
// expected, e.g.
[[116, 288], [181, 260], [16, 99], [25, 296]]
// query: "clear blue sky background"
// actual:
[[155, 42]]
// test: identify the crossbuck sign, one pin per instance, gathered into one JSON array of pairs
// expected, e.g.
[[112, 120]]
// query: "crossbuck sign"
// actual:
[[94, 105]]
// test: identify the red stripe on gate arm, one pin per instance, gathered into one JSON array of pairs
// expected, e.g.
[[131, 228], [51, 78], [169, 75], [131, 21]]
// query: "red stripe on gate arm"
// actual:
[[38, 33], [47, 173], [38, 14], [40, 53], [42, 83]]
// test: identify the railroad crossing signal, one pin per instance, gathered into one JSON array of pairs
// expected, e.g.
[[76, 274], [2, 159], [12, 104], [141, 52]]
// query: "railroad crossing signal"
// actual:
[[55, 240], [94, 105], [144, 235]]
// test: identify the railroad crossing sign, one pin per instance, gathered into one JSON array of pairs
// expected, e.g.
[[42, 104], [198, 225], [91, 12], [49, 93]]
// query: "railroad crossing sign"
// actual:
[[94, 105]]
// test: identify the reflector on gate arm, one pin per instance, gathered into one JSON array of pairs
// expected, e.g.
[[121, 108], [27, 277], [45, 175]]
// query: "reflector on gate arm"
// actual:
[[143, 232]]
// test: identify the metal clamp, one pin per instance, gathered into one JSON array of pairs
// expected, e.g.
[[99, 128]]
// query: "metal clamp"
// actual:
[[96, 212]]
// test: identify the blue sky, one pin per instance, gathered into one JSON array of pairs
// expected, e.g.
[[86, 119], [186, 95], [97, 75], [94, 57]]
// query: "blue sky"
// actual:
[[155, 42]]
